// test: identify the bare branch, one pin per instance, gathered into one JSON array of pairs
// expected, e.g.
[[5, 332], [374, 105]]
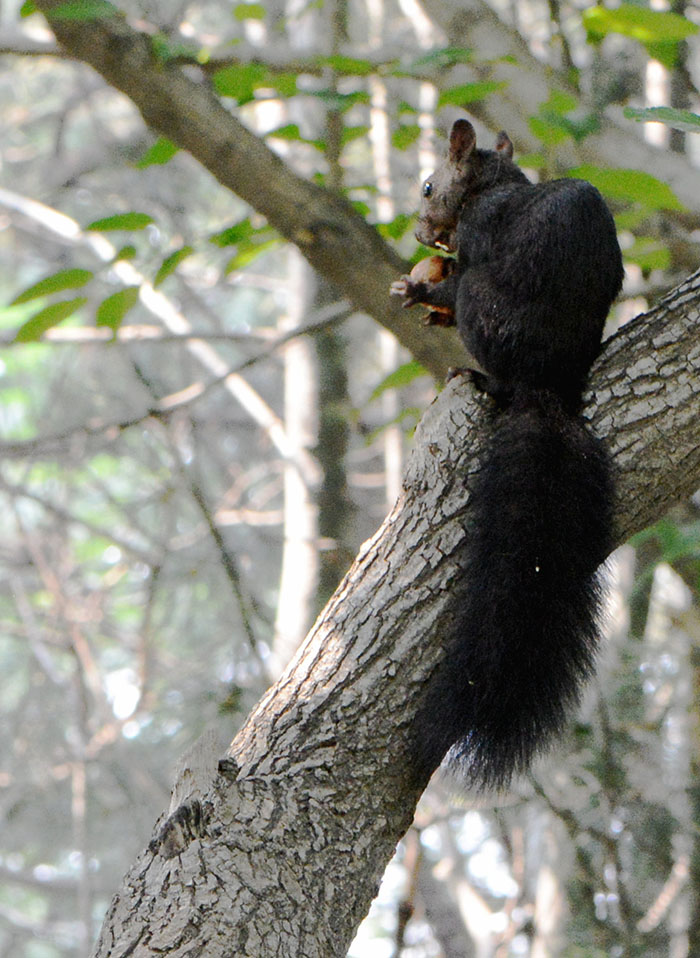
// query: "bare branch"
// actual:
[[161, 307]]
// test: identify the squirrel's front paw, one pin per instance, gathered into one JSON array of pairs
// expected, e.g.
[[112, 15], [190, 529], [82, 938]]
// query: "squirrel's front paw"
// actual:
[[399, 286], [411, 291]]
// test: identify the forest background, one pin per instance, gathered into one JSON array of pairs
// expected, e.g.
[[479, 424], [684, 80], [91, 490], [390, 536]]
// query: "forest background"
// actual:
[[206, 410]]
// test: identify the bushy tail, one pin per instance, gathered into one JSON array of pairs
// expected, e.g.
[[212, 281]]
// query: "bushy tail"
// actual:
[[528, 616]]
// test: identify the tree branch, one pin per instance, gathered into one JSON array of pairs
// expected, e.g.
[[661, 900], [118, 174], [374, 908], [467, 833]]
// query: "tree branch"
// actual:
[[160, 306], [334, 238], [285, 853]]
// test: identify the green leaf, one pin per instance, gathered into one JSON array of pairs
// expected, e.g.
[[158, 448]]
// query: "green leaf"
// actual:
[[659, 32], [361, 207], [351, 133], [342, 102], [348, 65], [551, 127], [112, 310], [582, 125], [560, 101], [677, 119], [121, 221], [560, 117], [250, 251], [250, 241], [162, 151], [165, 49], [396, 228], [469, 92], [648, 253], [533, 161], [240, 81], [630, 185], [56, 283], [83, 10], [676, 542], [400, 377], [233, 234], [36, 326], [249, 11], [632, 218], [285, 84], [405, 136], [548, 132], [170, 264], [440, 59], [27, 8], [126, 253], [292, 132]]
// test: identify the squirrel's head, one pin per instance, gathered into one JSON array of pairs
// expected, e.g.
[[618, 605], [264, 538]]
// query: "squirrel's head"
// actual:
[[466, 171]]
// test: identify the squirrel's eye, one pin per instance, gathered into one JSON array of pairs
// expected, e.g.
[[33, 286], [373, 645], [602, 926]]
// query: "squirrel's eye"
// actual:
[[427, 188]]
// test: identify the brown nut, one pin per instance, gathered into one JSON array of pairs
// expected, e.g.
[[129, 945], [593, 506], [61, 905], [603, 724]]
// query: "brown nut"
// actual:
[[432, 269]]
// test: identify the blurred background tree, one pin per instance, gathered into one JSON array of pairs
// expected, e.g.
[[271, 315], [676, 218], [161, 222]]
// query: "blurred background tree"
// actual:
[[198, 432]]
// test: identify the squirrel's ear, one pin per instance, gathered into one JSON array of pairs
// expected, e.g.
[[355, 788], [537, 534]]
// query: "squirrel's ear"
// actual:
[[503, 144], [462, 141]]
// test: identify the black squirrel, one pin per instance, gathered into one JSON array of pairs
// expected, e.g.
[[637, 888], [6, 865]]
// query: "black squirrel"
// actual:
[[537, 268]]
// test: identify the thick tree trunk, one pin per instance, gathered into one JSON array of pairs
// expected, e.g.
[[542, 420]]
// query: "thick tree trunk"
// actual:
[[283, 853]]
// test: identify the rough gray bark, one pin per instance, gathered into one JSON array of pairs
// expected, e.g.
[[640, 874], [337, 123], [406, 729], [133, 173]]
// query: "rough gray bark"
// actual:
[[284, 853]]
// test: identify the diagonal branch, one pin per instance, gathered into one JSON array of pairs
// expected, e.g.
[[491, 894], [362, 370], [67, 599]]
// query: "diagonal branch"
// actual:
[[334, 238], [337, 241], [285, 853], [160, 306]]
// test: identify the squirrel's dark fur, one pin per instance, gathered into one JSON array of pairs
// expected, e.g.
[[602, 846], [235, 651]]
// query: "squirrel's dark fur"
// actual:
[[537, 269]]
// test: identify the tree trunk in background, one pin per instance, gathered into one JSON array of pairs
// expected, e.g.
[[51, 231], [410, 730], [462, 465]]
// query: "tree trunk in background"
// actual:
[[335, 504], [296, 605]]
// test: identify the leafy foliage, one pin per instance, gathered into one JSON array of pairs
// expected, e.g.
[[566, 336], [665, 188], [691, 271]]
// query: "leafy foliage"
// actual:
[[34, 328], [121, 221], [402, 376], [111, 311], [57, 283], [467, 93], [162, 151], [171, 263], [630, 185], [678, 119], [658, 31], [84, 10]]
